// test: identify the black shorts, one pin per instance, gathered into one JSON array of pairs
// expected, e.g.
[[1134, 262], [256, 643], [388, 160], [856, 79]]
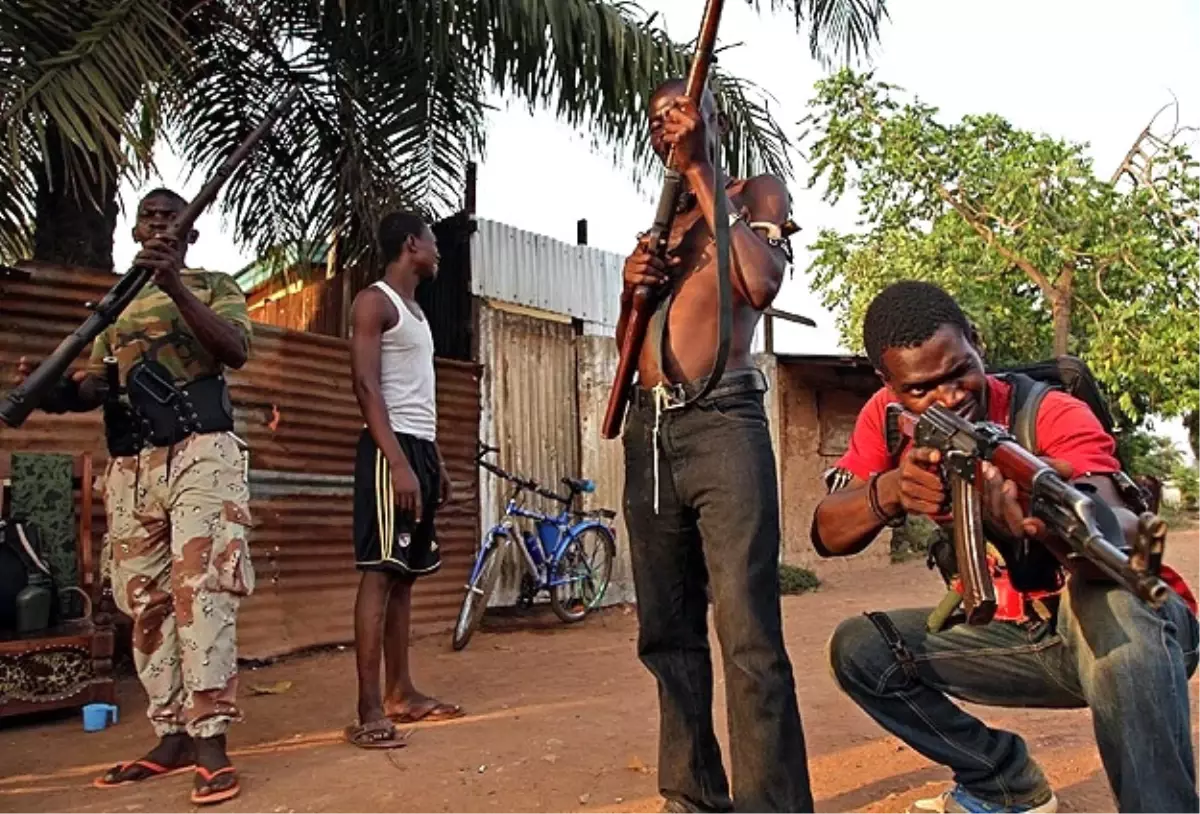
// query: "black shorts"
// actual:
[[385, 538]]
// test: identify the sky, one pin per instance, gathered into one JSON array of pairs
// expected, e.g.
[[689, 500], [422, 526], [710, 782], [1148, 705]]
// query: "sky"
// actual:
[[1072, 69]]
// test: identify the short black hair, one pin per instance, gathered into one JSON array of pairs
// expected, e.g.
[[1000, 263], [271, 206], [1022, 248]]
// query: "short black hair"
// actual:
[[395, 228], [163, 192], [906, 314]]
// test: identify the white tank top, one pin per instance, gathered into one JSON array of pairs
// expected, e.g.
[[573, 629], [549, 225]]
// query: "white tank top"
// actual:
[[406, 371]]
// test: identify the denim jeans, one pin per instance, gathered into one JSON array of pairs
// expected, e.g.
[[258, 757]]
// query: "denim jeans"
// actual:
[[1106, 650], [716, 527]]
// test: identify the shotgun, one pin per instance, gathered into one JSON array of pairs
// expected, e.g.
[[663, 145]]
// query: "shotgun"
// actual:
[[644, 297], [18, 404], [1088, 527]]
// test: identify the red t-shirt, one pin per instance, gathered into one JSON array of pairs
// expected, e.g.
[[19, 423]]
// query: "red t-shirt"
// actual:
[[1065, 428]]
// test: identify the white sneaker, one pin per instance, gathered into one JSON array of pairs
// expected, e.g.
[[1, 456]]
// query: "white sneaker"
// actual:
[[959, 799]]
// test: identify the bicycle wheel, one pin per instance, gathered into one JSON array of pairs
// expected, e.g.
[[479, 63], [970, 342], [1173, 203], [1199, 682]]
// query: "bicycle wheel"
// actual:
[[582, 572], [475, 602]]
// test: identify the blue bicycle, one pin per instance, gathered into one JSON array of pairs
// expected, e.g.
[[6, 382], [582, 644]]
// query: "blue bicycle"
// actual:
[[571, 555]]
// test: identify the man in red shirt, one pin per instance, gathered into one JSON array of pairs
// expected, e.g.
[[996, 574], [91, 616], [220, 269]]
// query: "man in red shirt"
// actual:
[[1081, 643]]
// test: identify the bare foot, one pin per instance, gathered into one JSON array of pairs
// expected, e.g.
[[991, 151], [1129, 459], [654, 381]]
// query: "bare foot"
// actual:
[[420, 707]]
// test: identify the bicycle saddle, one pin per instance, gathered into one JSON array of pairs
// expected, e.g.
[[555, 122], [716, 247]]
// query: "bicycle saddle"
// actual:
[[584, 485]]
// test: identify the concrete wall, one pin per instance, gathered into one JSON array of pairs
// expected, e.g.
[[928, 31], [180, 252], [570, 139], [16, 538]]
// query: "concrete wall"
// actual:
[[816, 407]]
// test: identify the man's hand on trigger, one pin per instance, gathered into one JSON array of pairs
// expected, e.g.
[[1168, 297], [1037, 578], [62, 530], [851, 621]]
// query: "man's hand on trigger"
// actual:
[[921, 488], [643, 267]]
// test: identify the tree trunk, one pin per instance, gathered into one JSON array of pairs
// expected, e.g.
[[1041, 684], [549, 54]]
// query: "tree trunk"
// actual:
[[1061, 308], [69, 227], [1192, 422]]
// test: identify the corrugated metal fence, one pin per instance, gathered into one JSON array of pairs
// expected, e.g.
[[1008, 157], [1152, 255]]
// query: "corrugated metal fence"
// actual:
[[295, 407]]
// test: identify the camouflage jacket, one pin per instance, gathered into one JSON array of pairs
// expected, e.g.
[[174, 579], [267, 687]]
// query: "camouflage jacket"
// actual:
[[152, 328]]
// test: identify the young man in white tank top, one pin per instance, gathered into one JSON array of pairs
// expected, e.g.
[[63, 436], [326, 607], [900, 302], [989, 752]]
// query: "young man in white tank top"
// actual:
[[399, 479]]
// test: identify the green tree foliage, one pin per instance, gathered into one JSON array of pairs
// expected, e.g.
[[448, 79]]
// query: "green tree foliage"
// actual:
[[1045, 256], [1187, 478], [1148, 454], [393, 105]]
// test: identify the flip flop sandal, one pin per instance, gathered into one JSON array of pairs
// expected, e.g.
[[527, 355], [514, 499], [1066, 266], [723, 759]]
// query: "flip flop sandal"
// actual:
[[377, 735], [438, 712], [155, 771], [218, 795]]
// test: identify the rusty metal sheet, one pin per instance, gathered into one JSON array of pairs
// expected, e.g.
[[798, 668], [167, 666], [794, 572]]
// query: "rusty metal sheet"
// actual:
[[603, 461], [35, 316], [529, 413]]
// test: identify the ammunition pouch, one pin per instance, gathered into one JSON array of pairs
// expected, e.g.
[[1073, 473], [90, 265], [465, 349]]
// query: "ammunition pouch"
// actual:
[[161, 414]]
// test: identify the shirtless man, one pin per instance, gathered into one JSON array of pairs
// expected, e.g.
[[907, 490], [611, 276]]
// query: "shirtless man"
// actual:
[[701, 498]]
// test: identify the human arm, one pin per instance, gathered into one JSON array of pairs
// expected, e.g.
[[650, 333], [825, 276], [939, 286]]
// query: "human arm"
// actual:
[[1072, 440], [370, 316], [846, 522], [221, 327], [758, 267]]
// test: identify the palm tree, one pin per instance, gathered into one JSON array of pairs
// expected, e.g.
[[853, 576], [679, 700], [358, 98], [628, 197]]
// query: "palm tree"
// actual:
[[393, 102]]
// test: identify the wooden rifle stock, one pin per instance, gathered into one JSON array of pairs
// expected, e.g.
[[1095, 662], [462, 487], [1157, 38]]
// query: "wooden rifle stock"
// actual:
[[18, 404], [645, 298]]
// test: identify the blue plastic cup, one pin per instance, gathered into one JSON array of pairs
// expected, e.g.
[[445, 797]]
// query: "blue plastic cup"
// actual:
[[95, 716]]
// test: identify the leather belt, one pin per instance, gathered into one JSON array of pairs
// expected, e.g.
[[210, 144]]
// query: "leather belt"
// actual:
[[731, 384]]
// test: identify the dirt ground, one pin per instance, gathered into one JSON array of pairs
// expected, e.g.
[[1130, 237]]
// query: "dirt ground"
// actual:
[[560, 719]]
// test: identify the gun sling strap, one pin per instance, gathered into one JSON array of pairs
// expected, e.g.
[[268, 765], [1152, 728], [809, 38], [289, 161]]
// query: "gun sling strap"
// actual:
[[658, 323]]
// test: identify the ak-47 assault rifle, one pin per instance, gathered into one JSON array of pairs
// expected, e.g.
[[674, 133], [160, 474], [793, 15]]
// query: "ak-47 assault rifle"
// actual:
[[17, 405], [1068, 513]]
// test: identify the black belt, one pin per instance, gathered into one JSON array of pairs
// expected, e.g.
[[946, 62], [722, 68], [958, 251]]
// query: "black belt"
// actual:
[[731, 384]]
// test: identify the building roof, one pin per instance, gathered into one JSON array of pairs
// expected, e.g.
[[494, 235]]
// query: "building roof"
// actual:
[[526, 268], [849, 362], [254, 274]]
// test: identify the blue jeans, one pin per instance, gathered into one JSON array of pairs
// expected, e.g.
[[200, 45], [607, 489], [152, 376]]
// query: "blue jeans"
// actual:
[[1106, 650], [717, 527]]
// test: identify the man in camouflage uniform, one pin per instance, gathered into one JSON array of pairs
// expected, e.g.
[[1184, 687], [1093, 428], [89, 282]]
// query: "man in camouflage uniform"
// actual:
[[178, 511]]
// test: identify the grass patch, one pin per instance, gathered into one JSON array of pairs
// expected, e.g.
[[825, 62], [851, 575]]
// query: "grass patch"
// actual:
[[912, 540], [796, 580], [1178, 519]]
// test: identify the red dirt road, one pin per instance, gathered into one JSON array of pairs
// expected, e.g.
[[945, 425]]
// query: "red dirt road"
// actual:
[[559, 719]]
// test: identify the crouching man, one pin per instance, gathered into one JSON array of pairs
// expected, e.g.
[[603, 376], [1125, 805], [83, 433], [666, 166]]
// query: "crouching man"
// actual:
[[1073, 642]]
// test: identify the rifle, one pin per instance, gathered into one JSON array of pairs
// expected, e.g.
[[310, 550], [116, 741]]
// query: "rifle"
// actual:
[[1068, 513], [18, 404], [646, 298]]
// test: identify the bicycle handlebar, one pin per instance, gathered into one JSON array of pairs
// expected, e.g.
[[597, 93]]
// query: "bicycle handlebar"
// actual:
[[522, 483]]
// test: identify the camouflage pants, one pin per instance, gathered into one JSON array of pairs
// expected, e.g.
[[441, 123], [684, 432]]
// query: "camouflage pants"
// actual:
[[177, 523]]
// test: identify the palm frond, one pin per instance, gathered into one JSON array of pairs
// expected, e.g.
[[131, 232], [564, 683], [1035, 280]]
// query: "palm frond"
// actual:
[[595, 64], [72, 93], [845, 29]]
